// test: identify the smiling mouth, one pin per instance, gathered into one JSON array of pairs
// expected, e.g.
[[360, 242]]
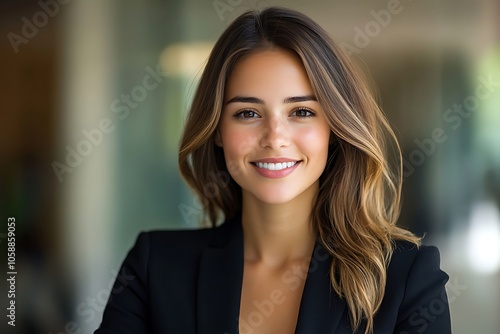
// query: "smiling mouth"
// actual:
[[275, 166]]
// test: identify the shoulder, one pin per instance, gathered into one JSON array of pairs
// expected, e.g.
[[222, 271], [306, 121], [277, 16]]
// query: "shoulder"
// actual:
[[415, 283], [412, 266], [410, 258], [180, 243], [156, 254], [413, 271], [173, 246]]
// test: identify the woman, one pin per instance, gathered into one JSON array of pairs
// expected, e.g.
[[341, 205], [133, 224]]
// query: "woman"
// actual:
[[285, 143]]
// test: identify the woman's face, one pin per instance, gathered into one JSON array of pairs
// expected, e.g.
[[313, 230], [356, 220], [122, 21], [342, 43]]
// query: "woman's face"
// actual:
[[273, 131]]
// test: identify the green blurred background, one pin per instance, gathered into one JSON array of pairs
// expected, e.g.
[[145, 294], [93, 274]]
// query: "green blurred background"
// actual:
[[92, 102]]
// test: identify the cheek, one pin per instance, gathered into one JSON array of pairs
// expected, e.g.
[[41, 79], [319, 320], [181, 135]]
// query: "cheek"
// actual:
[[314, 141], [238, 145]]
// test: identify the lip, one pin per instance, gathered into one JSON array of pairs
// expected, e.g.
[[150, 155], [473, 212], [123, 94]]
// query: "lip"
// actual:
[[276, 174]]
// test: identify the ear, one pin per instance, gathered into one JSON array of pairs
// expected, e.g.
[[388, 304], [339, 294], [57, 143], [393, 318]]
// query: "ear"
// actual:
[[217, 138]]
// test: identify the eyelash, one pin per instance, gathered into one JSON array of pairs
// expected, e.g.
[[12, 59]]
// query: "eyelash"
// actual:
[[239, 114]]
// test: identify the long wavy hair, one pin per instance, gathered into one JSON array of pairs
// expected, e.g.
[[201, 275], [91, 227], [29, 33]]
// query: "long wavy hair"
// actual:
[[358, 202]]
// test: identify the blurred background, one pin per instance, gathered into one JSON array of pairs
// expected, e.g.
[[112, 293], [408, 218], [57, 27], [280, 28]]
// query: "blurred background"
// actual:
[[92, 101]]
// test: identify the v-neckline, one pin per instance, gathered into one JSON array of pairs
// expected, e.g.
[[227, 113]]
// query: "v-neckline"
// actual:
[[220, 286], [281, 294]]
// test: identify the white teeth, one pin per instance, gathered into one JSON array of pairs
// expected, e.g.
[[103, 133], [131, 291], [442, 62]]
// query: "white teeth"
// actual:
[[276, 166]]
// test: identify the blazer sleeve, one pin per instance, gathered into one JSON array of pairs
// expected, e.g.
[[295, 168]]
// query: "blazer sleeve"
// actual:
[[425, 308], [128, 304]]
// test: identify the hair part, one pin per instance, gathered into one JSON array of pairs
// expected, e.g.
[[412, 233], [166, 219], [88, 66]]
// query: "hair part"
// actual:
[[358, 201]]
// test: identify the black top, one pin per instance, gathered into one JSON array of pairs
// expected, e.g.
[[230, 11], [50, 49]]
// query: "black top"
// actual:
[[189, 281]]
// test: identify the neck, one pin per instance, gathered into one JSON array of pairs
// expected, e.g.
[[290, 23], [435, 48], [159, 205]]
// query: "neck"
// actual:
[[278, 234]]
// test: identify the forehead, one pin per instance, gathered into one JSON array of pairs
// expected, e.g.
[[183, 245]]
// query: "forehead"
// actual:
[[275, 72]]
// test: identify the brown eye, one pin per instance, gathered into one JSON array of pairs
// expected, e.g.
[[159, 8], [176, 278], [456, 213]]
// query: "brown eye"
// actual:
[[246, 114], [303, 113]]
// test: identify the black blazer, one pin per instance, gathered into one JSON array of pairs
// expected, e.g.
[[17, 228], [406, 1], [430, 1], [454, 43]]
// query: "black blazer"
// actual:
[[189, 281]]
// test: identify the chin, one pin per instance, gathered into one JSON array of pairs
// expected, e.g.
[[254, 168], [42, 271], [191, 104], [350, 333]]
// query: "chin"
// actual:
[[274, 197]]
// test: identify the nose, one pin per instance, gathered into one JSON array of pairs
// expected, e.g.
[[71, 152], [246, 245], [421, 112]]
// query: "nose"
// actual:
[[275, 134]]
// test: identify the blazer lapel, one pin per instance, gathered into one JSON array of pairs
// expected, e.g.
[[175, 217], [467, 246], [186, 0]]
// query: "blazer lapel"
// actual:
[[220, 283], [320, 308]]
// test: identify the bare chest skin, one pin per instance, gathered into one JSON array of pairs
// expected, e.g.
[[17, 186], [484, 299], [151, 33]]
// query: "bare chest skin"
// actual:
[[270, 299]]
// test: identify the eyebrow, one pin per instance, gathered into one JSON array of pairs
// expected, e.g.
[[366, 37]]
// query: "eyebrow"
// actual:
[[256, 100]]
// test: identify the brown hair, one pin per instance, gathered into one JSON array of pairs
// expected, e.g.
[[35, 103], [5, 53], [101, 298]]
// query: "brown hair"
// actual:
[[358, 201]]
